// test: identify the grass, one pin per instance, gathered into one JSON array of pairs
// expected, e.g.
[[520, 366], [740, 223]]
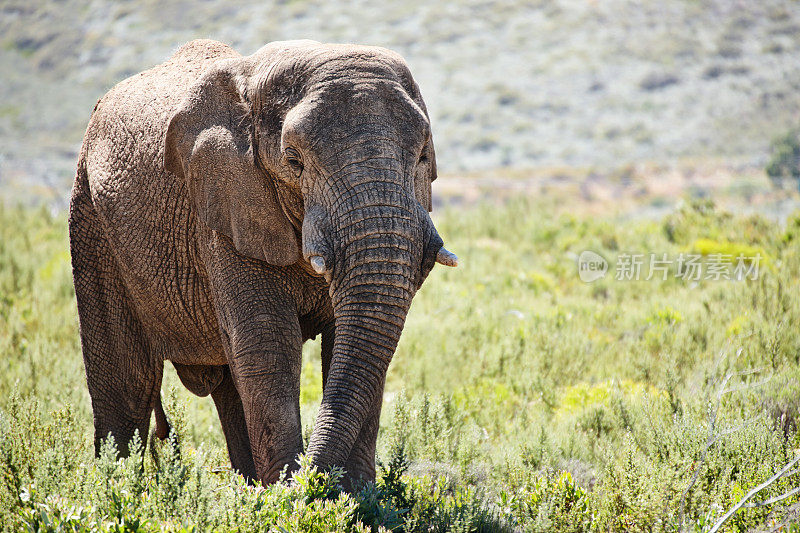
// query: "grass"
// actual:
[[520, 398]]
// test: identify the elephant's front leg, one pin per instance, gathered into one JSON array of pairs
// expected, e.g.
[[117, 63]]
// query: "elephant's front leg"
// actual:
[[360, 465], [265, 355], [261, 332]]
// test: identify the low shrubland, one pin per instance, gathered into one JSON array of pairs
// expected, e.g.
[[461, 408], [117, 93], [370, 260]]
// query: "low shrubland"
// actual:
[[520, 397]]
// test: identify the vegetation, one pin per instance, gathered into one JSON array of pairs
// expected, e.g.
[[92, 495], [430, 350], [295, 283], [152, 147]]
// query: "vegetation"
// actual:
[[520, 398], [784, 161]]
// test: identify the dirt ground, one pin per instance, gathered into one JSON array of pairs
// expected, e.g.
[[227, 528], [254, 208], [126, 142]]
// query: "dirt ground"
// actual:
[[636, 191]]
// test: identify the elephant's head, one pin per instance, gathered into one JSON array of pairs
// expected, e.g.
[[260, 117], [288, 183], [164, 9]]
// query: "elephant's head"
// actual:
[[321, 155]]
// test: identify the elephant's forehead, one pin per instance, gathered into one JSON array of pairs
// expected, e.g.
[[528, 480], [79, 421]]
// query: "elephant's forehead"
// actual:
[[351, 56], [359, 107], [306, 67]]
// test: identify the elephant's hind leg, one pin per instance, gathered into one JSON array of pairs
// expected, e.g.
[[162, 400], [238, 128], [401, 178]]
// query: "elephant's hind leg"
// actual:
[[231, 416], [123, 376], [218, 381]]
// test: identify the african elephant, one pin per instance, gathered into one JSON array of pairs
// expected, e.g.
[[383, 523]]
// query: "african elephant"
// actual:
[[225, 210]]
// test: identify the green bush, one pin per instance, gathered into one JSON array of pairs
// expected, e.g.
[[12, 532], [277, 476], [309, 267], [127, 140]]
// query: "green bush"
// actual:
[[548, 501], [520, 398], [784, 161]]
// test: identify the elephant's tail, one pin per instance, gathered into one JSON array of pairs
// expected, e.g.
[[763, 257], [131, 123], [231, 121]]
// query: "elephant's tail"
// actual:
[[162, 431], [162, 424]]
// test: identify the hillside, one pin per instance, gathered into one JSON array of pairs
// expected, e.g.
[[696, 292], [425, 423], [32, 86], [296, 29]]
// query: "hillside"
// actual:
[[514, 83]]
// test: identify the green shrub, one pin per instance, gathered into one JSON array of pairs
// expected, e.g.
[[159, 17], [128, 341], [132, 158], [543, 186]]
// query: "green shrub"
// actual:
[[784, 161], [533, 401], [549, 501]]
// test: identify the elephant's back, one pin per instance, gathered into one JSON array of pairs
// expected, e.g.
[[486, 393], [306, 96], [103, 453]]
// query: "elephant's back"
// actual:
[[127, 127], [171, 79], [144, 208], [142, 104]]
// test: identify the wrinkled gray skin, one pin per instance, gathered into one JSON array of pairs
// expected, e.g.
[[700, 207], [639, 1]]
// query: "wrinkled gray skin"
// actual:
[[207, 187]]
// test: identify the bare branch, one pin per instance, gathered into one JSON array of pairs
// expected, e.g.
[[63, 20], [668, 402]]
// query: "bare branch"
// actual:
[[747, 386], [734, 429], [752, 493], [749, 371], [790, 515], [710, 440], [713, 434], [776, 499]]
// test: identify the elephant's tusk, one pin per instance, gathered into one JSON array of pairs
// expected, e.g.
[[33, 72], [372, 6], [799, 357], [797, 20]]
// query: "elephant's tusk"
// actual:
[[318, 264], [446, 258]]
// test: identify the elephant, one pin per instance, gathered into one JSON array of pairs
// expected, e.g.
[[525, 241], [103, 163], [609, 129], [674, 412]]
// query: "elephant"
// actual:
[[228, 208]]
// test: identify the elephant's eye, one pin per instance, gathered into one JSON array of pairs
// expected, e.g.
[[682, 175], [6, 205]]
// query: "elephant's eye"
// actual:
[[294, 160]]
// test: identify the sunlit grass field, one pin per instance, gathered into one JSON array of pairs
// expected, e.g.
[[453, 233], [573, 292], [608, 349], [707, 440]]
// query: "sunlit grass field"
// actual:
[[520, 397]]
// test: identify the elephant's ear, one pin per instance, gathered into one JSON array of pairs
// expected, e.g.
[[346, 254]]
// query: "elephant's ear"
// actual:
[[208, 143], [425, 175]]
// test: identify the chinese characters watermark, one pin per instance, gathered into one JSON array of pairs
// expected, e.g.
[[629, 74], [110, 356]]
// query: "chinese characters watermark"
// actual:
[[686, 266]]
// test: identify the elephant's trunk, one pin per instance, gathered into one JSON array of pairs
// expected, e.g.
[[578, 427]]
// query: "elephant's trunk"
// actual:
[[384, 243]]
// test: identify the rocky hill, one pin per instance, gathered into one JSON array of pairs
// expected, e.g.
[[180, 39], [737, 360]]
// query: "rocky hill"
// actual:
[[512, 83]]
